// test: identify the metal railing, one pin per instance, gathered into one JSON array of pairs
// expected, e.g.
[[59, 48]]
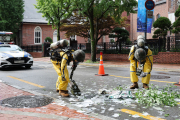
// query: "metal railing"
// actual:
[[32, 48]]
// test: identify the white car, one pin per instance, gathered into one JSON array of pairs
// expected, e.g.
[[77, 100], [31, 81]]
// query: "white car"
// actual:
[[13, 55]]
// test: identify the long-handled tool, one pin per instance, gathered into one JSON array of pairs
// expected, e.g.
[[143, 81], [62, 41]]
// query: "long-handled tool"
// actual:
[[74, 88]]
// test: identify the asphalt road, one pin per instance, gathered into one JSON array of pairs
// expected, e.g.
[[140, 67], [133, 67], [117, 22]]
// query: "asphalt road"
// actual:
[[41, 78]]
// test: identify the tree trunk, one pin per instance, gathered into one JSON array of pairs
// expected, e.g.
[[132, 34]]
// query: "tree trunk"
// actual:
[[58, 32], [93, 42]]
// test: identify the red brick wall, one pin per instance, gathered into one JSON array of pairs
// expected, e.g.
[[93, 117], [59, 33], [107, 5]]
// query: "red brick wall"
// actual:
[[162, 57], [37, 54], [167, 57]]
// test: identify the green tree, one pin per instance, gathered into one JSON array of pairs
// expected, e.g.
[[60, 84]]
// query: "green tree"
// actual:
[[11, 16], [176, 24], [163, 24], [121, 34], [72, 26], [55, 11], [94, 10]]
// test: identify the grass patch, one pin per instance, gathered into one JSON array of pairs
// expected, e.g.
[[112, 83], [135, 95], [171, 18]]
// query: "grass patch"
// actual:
[[89, 61]]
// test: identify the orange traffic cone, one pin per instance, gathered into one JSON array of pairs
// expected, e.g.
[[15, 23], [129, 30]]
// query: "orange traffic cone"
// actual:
[[101, 67], [177, 84]]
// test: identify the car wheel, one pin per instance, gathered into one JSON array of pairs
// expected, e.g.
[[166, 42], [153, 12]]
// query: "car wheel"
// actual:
[[29, 66]]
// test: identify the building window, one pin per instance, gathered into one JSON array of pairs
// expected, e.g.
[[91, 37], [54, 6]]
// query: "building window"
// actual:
[[73, 37], [37, 35], [172, 3]]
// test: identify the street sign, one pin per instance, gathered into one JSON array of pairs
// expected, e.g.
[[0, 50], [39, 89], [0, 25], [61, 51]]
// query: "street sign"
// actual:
[[149, 14], [149, 4]]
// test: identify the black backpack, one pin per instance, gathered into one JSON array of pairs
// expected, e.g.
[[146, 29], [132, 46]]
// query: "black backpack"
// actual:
[[55, 54]]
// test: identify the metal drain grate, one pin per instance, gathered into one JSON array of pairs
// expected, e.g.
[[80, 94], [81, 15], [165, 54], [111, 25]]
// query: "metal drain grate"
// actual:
[[26, 101], [159, 77]]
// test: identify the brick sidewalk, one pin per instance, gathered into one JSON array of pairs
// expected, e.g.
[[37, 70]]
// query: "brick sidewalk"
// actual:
[[48, 112]]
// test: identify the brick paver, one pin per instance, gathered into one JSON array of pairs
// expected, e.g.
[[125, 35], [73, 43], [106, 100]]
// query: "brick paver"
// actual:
[[7, 91]]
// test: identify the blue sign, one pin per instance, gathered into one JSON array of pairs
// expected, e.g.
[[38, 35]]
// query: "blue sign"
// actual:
[[142, 24], [149, 4], [141, 17]]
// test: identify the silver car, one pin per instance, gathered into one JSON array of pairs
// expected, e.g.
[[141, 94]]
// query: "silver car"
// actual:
[[13, 55]]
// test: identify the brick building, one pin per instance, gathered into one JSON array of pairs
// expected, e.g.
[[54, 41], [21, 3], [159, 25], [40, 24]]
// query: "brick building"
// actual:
[[35, 28], [163, 8]]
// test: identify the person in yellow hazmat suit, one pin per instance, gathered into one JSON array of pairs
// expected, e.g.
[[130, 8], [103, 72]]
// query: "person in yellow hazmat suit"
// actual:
[[141, 62], [60, 62]]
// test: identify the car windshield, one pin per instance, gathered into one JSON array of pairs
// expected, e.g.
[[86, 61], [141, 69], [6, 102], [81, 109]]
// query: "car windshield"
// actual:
[[10, 48]]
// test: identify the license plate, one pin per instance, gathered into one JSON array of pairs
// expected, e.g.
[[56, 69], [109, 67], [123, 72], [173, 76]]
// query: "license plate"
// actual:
[[19, 61]]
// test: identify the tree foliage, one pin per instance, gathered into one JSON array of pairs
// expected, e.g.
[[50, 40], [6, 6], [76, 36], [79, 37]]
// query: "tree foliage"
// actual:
[[11, 15], [55, 11], [176, 24], [106, 25], [163, 24], [95, 10], [121, 34]]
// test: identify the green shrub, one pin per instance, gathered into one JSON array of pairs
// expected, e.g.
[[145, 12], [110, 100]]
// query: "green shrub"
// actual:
[[48, 39]]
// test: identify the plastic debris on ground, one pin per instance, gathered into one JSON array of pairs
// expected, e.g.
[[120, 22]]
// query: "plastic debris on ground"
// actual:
[[121, 95]]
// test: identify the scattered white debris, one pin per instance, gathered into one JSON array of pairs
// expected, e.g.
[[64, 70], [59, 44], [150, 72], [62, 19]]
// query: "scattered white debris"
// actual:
[[61, 103], [81, 111], [73, 99], [38, 110], [135, 116], [103, 91], [158, 108], [111, 108], [178, 100], [103, 111], [116, 115], [145, 113], [103, 108]]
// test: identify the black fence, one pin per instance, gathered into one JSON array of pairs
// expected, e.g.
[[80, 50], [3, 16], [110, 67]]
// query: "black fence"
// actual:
[[167, 44], [32, 48], [173, 44]]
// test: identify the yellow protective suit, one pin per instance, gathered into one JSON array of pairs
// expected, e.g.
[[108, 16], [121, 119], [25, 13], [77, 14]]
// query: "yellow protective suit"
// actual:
[[61, 69], [147, 66]]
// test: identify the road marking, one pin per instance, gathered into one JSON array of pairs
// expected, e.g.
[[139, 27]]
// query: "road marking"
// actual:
[[140, 79], [27, 82], [119, 76], [149, 117], [163, 81]]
